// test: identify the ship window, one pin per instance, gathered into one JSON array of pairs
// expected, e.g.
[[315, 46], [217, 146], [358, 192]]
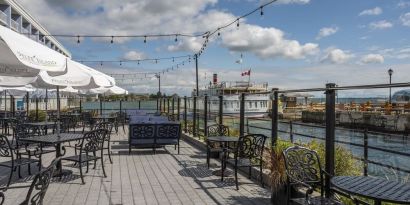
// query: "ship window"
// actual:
[[231, 104], [250, 104], [256, 104], [262, 104]]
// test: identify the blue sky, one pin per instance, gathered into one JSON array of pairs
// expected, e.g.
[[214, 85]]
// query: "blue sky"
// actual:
[[295, 44]]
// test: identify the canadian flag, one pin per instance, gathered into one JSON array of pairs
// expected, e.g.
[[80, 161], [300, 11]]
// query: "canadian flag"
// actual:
[[246, 73]]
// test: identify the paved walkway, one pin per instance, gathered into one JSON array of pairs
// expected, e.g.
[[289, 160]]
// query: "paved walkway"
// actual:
[[145, 178]]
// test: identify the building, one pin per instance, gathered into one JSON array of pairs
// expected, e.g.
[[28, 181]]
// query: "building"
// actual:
[[15, 17]]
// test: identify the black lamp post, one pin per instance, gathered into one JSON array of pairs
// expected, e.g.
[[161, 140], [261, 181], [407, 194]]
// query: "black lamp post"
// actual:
[[158, 76], [390, 72]]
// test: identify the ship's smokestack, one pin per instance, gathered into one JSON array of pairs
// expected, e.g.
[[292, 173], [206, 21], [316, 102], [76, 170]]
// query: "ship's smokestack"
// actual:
[[215, 79]]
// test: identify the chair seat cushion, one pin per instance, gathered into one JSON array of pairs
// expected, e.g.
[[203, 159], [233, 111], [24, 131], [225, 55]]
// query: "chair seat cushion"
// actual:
[[84, 158], [317, 200]]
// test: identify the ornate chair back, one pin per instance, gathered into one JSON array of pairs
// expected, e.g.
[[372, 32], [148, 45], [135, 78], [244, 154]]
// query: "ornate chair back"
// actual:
[[251, 147], [303, 165], [5, 148], [93, 141], [104, 125], [40, 185], [218, 130]]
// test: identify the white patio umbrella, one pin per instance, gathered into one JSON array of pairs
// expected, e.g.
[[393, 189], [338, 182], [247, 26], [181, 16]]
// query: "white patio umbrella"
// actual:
[[22, 59], [115, 90]]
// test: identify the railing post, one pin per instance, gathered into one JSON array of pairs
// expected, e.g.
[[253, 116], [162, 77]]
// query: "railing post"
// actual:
[[120, 106], [221, 112], [365, 152], [36, 109], [185, 116], [28, 103], [194, 118], [242, 115], [247, 125], [81, 106], [178, 108], [164, 104], [168, 105], [160, 104], [291, 131], [275, 117], [206, 116], [173, 105], [139, 105], [330, 134]]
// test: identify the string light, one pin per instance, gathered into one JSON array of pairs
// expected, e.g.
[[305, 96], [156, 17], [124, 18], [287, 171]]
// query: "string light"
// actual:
[[120, 62], [78, 39], [176, 38], [261, 10], [237, 24], [112, 39], [145, 39]]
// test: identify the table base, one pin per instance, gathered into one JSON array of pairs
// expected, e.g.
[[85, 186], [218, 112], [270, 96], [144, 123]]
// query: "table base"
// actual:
[[64, 172]]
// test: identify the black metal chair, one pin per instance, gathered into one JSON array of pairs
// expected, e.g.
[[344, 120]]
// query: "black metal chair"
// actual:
[[16, 159], [108, 126], [91, 143], [303, 169], [39, 185], [87, 120], [248, 153], [213, 131], [120, 120]]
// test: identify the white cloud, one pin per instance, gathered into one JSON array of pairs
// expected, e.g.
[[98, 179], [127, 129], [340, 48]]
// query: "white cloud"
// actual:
[[287, 1], [372, 58], [134, 55], [188, 44], [371, 12], [266, 43], [403, 4], [381, 25], [405, 19], [327, 31], [336, 56]]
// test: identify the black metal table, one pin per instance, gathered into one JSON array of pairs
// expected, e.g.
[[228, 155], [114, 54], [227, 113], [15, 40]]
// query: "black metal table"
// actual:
[[41, 126], [378, 189], [56, 140], [103, 118], [224, 141]]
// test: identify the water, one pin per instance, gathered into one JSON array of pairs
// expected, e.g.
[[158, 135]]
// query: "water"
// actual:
[[347, 138]]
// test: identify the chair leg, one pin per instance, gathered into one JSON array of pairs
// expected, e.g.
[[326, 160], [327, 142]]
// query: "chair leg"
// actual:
[[102, 166], [208, 158], [109, 151], [29, 165], [81, 172], [19, 171], [261, 176], [236, 178], [88, 165], [250, 173], [10, 176]]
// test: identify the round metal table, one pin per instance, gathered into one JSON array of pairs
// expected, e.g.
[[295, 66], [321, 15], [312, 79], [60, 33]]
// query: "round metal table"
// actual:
[[224, 141], [378, 189]]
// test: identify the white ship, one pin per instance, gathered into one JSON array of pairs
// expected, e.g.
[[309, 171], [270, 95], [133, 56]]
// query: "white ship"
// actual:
[[256, 105]]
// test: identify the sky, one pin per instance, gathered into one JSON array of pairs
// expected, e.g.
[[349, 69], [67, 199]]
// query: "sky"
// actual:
[[294, 44]]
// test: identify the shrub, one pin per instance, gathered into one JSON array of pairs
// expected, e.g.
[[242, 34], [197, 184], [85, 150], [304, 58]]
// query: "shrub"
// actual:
[[41, 115]]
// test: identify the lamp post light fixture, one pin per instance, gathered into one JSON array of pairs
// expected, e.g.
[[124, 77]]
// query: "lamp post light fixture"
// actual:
[[390, 72]]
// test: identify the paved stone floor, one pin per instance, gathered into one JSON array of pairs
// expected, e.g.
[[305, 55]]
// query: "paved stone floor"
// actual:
[[144, 178]]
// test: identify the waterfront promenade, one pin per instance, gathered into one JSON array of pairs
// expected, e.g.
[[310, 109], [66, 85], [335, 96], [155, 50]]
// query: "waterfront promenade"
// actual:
[[145, 178]]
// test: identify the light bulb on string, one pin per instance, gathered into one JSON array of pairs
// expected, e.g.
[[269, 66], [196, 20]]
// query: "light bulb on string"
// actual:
[[101, 63], [261, 10], [145, 39], [173, 59], [237, 24], [112, 39], [120, 62], [176, 38], [78, 39], [138, 62]]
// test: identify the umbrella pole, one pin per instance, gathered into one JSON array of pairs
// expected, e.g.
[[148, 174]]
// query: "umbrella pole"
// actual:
[[5, 103], [28, 103], [58, 110]]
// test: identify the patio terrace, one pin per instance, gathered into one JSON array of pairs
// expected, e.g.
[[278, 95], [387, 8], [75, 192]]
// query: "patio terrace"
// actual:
[[144, 178]]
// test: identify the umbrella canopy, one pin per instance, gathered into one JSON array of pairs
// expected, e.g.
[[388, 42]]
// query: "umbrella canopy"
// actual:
[[75, 76], [22, 59], [17, 91], [115, 90], [98, 80]]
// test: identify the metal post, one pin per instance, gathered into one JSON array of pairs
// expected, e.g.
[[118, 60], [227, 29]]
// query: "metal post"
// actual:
[[164, 105], [206, 116], [178, 108], [196, 74], [160, 104], [365, 152], [28, 102], [275, 117], [291, 131], [242, 115], [173, 105], [194, 119], [120, 106], [168, 105], [330, 135], [36, 109], [221, 112], [185, 116], [139, 105], [13, 106], [81, 106]]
